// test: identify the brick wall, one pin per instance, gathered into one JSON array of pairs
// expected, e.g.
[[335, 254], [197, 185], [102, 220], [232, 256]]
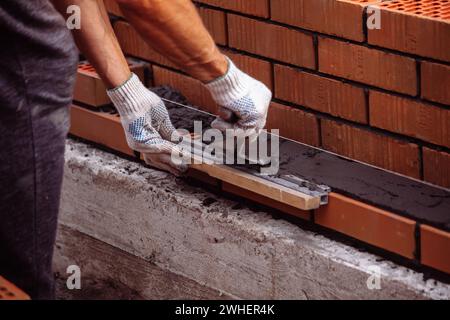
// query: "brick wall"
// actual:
[[374, 96], [381, 96]]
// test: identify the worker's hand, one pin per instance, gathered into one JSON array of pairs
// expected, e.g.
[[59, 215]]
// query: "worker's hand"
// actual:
[[147, 124], [245, 101]]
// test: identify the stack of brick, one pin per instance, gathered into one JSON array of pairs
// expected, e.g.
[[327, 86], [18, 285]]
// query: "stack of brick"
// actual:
[[379, 96]]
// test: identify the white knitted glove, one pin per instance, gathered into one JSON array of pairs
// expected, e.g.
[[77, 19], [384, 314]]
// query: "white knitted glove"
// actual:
[[243, 96], [147, 125]]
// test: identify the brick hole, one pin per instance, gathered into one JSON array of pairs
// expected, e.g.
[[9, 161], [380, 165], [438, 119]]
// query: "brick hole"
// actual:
[[430, 8], [3, 289], [86, 67], [412, 6]]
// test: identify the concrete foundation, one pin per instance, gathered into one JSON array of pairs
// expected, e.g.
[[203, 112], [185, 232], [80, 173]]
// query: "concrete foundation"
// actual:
[[153, 236]]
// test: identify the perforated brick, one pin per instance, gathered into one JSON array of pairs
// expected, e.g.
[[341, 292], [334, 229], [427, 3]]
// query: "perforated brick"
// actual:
[[419, 27], [90, 89], [438, 9], [8, 291]]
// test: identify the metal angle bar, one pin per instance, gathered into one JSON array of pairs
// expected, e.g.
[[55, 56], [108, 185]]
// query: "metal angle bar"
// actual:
[[294, 183]]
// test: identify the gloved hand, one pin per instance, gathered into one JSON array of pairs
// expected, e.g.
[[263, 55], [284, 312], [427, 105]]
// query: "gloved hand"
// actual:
[[242, 96], [147, 124]]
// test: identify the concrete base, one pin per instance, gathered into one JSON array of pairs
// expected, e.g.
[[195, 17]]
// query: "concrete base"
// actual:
[[110, 273], [151, 232]]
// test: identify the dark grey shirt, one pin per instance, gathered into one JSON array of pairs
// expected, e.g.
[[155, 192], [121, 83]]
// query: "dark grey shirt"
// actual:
[[37, 69], [37, 54]]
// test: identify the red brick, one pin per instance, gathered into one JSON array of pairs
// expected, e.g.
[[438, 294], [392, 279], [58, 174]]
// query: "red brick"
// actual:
[[410, 117], [214, 21], [436, 82], [335, 17], [191, 88], [319, 93], [369, 224], [414, 26], [99, 127], [257, 68], [9, 291], [271, 41], [294, 124], [372, 148], [265, 201], [89, 87], [436, 167], [133, 44], [113, 8], [252, 7], [369, 66], [435, 248]]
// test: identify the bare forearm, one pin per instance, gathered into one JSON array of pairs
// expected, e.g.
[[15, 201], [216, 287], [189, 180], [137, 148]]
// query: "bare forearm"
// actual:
[[174, 29], [96, 40]]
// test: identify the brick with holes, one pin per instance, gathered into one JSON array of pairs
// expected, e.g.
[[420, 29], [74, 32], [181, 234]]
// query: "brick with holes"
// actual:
[[419, 27], [90, 89], [9, 291]]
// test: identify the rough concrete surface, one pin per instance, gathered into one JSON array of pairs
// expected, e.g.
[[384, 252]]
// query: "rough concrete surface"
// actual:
[[110, 273], [237, 252]]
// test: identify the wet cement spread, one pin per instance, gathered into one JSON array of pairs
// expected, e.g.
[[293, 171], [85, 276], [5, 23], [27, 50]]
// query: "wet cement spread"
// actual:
[[407, 197]]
